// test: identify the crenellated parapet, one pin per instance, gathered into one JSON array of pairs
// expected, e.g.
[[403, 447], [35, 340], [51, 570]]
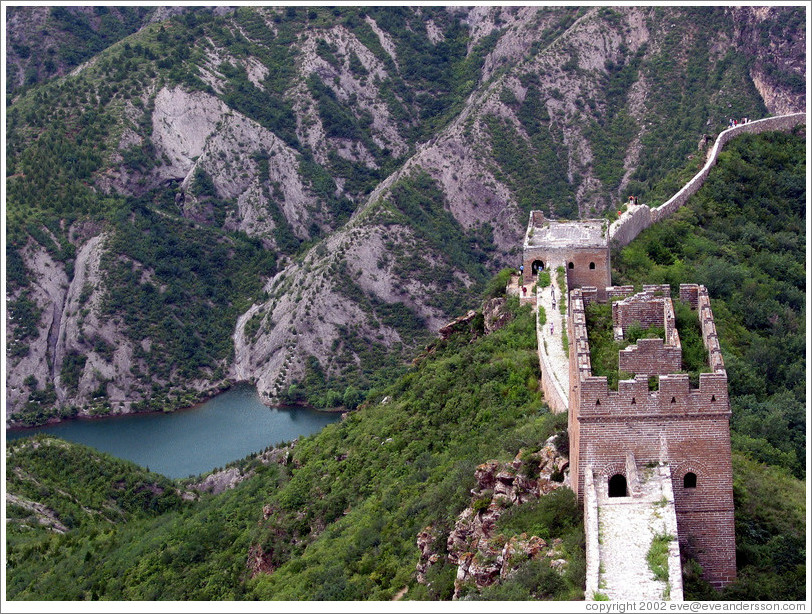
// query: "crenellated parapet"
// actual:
[[673, 397], [671, 422], [579, 342], [709, 336], [699, 300]]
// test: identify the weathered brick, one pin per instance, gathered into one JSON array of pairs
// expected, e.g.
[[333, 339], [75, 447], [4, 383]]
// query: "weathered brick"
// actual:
[[688, 428]]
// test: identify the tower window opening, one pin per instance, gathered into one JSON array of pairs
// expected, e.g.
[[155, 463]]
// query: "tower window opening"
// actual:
[[689, 481], [617, 486], [571, 265], [591, 265]]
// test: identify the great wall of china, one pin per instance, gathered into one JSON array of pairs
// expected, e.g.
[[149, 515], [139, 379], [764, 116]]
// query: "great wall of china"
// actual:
[[650, 463], [639, 217]]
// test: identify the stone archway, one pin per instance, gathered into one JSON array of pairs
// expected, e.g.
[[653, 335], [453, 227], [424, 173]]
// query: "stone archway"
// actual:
[[537, 267]]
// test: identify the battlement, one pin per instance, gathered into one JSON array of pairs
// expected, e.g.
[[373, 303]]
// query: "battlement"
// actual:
[[646, 309], [663, 357], [673, 397], [687, 428], [651, 357]]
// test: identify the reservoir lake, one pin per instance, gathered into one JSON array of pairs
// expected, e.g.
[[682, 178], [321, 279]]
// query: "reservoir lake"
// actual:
[[189, 442]]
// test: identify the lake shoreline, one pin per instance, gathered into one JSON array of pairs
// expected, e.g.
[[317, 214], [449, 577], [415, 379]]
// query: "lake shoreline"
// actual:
[[208, 396], [194, 440]]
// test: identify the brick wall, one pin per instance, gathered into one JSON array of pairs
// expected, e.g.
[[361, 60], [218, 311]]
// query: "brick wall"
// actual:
[[687, 428], [636, 219], [642, 309], [619, 292], [709, 336], [589, 267], [650, 357]]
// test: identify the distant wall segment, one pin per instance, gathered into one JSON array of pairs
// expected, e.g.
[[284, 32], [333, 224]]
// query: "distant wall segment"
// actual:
[[639, 217]]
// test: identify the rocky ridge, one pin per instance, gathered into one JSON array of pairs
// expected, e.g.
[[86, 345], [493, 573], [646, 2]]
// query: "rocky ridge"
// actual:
[[484, 556], [559, 56]]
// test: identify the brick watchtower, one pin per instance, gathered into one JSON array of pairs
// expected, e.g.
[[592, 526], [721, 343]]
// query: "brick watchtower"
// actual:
[[581, 247], [676, 425]]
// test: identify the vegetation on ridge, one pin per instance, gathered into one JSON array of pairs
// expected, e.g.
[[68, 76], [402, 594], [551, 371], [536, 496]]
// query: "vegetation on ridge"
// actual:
[[341, 519], [743, 236]]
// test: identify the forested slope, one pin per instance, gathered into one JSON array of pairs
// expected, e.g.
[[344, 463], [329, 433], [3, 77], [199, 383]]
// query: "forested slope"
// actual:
[[299, 196], [337, 516]]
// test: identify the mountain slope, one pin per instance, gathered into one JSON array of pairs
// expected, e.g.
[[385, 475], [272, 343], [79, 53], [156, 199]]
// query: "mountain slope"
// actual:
[[361, 171]]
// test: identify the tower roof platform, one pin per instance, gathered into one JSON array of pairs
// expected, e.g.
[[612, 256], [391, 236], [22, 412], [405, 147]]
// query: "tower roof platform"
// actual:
[[565, 233]]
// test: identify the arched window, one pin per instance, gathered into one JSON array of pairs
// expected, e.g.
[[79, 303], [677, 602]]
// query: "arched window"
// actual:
[[689, 481], [591, 265], [571, 265], [617, 486]]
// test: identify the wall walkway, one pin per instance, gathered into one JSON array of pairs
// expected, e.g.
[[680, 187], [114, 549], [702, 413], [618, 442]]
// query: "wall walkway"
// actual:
[[639, 217], [553, 360], [626, 528]]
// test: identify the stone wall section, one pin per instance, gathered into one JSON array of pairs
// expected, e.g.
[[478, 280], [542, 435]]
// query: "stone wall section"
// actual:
[[553, 361], [592, 536], [627, 527], [650, 357], [686, 427], [639, 217], [642, 309]]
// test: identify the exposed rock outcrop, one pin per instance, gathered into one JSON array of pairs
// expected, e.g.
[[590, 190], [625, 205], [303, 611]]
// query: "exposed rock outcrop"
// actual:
[[226, 479], [482, 554], [551, 64]]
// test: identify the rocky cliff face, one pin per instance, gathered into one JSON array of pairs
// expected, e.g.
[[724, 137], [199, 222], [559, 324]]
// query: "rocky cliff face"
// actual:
[[775, 38], [483, 555], [317, 135]]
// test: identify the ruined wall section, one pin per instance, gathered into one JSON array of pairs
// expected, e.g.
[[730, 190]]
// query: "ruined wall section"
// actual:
[[639, 217], [688, 428], [642, 309], [652, 307], [580, 368], [650, 357]]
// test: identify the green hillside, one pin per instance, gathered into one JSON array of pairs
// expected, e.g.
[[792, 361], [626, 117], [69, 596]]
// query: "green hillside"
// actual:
[[340, 519], [743, 235], [313, 110], [543, 118]]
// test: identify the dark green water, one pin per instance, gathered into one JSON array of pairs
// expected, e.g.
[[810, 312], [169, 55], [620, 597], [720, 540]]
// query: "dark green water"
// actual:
[[226, 428]]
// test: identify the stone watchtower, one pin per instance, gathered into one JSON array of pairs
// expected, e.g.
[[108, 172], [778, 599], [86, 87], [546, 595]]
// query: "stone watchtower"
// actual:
[[581, 247], [680, 431]]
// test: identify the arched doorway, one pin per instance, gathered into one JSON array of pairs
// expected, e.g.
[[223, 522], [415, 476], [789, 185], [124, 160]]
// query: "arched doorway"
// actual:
[[537, 267], [617, 486]]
